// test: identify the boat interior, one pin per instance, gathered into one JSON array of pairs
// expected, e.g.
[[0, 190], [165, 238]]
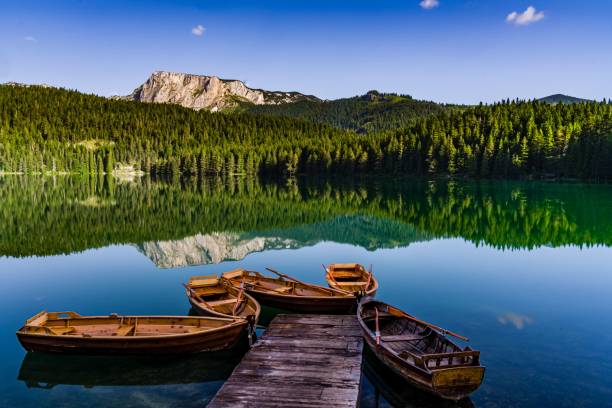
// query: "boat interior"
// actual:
[[418, 343], [281, 286], [73, 324], [351, 277], [217, 295]]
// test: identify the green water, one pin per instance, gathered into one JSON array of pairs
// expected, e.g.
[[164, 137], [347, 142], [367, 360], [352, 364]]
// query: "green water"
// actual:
[[522, 269]]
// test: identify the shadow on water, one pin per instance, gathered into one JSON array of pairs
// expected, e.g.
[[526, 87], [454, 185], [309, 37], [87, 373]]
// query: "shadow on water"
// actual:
[[45, 371], [268, 313], [381, 387]]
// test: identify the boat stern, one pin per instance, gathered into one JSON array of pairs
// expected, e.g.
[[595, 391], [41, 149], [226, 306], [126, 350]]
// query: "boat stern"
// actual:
[[457, 383]]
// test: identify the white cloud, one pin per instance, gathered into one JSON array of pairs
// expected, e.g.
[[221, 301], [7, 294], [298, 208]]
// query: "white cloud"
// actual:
[[429, 4], [29, 38], [529, 16], [198, 30], [517, 320]]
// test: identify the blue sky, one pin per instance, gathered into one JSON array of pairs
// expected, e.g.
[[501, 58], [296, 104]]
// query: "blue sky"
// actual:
[[445, 50]]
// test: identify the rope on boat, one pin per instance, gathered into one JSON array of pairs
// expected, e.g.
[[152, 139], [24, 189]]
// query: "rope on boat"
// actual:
[[377, 332], [251, 329], [238, 298]]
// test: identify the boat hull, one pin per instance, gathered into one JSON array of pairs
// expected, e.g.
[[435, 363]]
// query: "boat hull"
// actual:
[[446, 378], [399, 392], [358, 271], [220, 339], [453, 384], [204, 311], [307, 304]]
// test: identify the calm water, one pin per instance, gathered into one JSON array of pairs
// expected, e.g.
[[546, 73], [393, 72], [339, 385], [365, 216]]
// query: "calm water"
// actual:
[[523, 269]]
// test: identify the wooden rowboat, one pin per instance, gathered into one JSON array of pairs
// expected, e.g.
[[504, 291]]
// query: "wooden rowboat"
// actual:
[[212, 296], [351, 277], [69, 332], [396, 391], [290, 294], [420, 352]]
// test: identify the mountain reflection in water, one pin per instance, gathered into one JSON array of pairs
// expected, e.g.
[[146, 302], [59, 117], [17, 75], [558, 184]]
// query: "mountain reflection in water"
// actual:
[[213, 220]]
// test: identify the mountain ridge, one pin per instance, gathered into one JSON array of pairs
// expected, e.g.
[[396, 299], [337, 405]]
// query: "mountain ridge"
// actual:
[[208, 92], [562, 98]]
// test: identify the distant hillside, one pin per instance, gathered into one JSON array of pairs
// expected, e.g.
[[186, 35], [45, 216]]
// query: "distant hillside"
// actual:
[[560, 98], [371, 112], [48, 130]]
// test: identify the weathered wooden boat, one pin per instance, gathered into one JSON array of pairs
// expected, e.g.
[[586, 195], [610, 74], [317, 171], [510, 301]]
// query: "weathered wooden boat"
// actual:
[[290, 294], [420, 352], [212, 296], [396, 391], [69, 332], [351, 277]]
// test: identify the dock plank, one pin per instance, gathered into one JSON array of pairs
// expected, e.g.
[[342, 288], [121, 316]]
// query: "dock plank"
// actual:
[[300, 361]]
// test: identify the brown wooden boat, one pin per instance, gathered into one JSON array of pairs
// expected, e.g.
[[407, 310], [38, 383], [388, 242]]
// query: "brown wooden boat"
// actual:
[[351, 277], [288, 293], [419, 351], [212, 296], [69, 332]]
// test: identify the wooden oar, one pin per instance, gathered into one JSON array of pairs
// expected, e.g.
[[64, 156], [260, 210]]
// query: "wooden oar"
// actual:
[[330, 274], [437, 328], [369, 278], [195, 295], [282, 275], [238, 298], [331, 277]]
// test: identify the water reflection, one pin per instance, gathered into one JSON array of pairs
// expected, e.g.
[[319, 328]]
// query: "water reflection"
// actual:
[[211, 248], [45, 371], [214, 220], [519, 321]]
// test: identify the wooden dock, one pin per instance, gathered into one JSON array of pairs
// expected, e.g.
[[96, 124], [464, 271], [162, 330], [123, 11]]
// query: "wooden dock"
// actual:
[[300, 361]]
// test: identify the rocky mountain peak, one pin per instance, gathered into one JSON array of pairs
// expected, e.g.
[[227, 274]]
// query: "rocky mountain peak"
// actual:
[[207, 92]]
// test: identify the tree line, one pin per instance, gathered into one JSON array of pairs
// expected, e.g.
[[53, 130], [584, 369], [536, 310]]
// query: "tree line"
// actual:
[[372, 112], [46, 130]]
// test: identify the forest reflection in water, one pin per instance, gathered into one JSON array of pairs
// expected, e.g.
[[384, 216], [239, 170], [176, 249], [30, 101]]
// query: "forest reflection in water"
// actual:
[[237, 216]]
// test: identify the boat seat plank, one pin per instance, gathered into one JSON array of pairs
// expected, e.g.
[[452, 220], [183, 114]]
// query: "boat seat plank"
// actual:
[[233, 274], [350, 266], [283, 289], [198, 283], [350, 283], [125, 329], [209, 290], [345, 274], [222, 302], [402, 337], [62, 330]]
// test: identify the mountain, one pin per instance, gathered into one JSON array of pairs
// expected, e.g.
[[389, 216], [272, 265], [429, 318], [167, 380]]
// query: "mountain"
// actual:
[[22, 85], [371, 112], [203, 249], [560, 98], [207, 92], [367, 232]]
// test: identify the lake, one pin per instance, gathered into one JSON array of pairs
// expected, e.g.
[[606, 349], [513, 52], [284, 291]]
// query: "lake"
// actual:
[[524, 269]]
